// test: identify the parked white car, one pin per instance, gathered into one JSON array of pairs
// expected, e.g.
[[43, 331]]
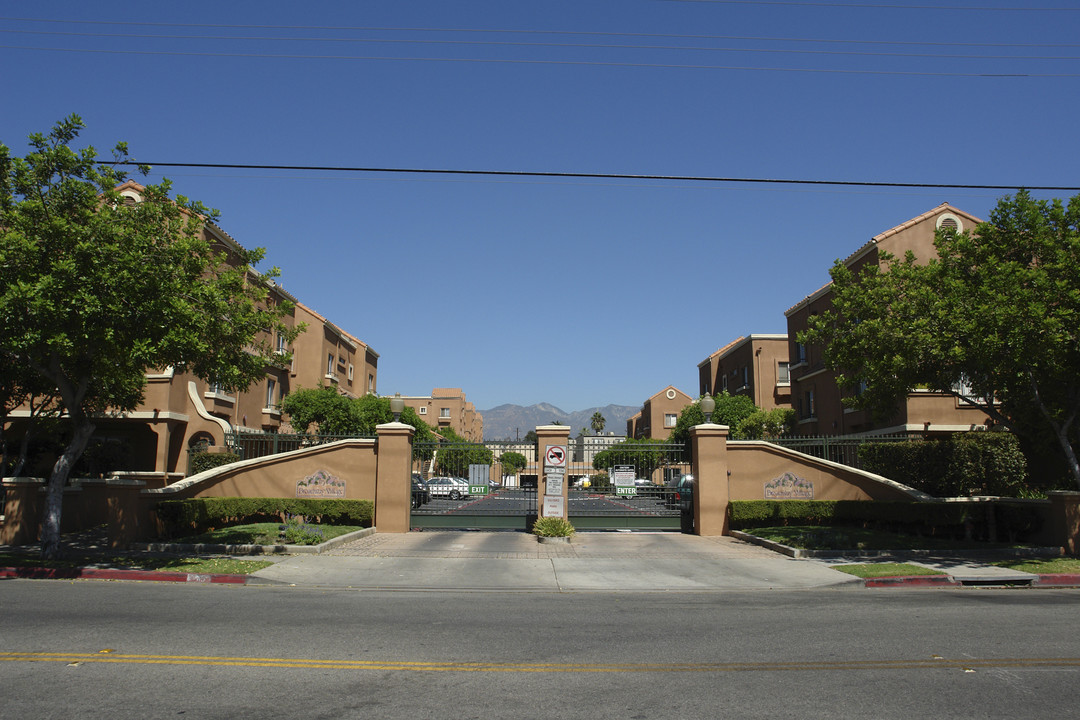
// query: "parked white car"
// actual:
[[451, 487]]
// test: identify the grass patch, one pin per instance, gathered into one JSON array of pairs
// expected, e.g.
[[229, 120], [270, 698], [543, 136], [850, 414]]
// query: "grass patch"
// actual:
[[814, 537], [877, 570], [202, 566], [258, 534], [1043, 566]]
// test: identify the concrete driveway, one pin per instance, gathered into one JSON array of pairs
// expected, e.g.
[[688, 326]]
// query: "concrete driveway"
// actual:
[[517, 562]]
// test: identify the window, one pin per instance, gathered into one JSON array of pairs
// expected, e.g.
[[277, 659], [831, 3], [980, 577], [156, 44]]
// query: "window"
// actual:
[[806, 405], [423, 409], [783, 376], [350, 372], [723, 383], [745, 376], [800, 353], [371, 385], [271, 391], [330, 364], [282, 346], [444, 412], [670, 419]]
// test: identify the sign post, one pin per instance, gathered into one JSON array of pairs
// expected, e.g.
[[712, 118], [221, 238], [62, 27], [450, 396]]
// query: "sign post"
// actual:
[[552, 443]]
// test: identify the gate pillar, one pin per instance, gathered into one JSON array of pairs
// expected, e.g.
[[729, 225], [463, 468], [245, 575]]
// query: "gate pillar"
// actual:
[[549, 438], [393, 477], [709, 443]]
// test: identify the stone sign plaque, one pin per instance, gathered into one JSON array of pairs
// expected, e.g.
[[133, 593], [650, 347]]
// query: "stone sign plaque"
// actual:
[[789, 487], [320, 484]]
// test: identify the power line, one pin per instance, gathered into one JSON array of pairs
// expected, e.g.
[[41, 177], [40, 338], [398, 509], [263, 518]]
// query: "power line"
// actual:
[[591, 46], [572, 33], [598, 176], [592, 63], [874, 6]]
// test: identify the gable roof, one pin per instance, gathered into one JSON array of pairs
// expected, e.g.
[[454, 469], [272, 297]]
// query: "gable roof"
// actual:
[[877, 239]]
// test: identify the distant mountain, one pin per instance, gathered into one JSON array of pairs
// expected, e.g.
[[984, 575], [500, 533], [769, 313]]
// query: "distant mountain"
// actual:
[[510, 422]]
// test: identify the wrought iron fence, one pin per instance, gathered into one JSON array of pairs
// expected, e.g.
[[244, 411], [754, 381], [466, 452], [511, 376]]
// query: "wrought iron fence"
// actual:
[[250, 445], [843, 449]]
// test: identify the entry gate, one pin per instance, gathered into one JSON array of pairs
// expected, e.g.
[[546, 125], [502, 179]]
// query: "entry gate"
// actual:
[[630, 485]]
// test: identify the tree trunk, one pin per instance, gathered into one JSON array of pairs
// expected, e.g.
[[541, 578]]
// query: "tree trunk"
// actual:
[[54, 493], [1070, 455]]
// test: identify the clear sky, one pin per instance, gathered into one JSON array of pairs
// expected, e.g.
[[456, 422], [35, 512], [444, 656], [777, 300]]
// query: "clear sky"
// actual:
[[577, 292]]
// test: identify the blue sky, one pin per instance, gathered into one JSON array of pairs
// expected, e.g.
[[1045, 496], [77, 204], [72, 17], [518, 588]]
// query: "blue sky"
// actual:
[[577, 292]]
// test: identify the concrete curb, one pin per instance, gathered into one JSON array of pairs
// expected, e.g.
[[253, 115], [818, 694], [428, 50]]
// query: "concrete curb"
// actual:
[[40, 573], [215, 549]]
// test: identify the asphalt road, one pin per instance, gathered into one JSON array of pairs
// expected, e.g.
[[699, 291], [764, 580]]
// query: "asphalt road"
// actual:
[[145, 650]]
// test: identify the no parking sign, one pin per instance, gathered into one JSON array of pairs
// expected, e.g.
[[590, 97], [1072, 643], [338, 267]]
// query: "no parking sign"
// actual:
[[555, 457]]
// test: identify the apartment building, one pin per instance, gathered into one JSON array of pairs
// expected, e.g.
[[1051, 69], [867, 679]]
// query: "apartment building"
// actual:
[[753, 365], [815, 395], [658, 414], [180, 411], [448, 408]]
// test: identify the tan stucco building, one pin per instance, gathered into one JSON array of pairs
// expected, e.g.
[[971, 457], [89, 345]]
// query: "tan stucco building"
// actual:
[[448, 408], [815, 395], [658, 414], [754, 365]]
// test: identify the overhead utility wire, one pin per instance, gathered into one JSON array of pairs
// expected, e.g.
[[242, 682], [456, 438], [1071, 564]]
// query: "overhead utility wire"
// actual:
[[509, 43], [598, 176], [503, 31], [874, 6], [591, 63]]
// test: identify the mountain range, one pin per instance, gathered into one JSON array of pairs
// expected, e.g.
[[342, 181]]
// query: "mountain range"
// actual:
[[511, 422]]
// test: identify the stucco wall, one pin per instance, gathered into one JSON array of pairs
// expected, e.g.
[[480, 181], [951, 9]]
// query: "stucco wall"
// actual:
[[351, 461], [753, 465]]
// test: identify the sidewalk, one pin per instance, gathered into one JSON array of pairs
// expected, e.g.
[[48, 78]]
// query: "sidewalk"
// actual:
[[592, 562]]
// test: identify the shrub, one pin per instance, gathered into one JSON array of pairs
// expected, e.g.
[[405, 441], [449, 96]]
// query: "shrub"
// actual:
[[553, 527], [961, 465], [201, 514], [990, 520], [203, 461], [298, 532]]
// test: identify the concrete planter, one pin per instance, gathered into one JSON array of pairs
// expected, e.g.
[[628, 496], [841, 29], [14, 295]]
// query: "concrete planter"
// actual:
[[554, 540]]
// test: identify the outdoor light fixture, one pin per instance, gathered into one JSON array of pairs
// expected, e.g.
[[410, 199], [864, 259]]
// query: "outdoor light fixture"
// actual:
[[707, 407], [397, 406]]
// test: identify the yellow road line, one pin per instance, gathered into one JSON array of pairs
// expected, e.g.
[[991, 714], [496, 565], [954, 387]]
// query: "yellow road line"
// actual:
[[436, 666]]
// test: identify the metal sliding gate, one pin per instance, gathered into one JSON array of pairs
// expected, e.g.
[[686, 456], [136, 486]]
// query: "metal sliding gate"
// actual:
[[631, 485], [474, 485]]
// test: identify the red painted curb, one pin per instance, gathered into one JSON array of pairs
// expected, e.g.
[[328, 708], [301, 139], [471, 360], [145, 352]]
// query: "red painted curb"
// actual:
[[912, 581], [39, 573], [1059, 580]]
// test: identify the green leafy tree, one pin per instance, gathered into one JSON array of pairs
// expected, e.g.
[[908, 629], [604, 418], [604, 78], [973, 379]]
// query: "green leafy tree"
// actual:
[[993, 320], [730, 410], [330, 412], [646, 455], [597, 422], [513, 463], [456, 454], [765, 425], [21, 387], [335, 414], [95, 291]]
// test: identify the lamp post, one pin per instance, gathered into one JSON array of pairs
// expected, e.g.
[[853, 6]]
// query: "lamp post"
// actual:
[[397, 406], [707, 407]]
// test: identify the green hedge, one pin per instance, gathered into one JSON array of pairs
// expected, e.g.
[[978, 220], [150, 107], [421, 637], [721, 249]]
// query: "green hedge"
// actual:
[[989, 520], [963, 464], [203, 461], [203, 514]]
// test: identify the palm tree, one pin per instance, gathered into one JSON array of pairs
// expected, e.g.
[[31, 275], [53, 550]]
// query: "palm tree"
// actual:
[[597, 422]]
